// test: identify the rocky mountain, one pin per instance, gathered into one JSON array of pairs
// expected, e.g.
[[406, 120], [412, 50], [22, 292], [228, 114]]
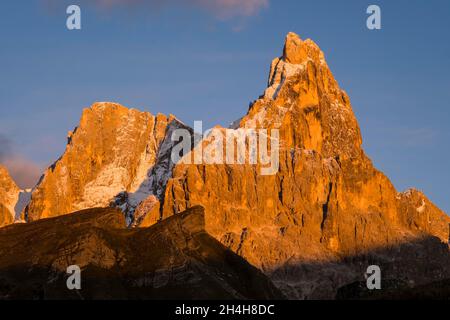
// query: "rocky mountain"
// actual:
[[175, 259], [9, 196], [326, 203], [313, 227], [116, 155]]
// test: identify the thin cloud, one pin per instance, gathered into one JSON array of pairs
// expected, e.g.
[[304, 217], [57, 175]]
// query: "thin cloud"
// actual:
[[232, 8], [24, 172], [409, 137], [5, 147], [414, 137], [221, 9]]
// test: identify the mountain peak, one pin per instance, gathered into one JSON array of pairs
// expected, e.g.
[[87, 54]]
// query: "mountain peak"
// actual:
[[111, 152], [102, 105], [297, 54], [294, 50], [304, 101], [297, 51]]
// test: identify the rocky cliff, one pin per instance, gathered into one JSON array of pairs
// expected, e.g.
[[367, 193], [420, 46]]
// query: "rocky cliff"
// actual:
[[116, 155], [9, 196], [326, 202], [313, 226]]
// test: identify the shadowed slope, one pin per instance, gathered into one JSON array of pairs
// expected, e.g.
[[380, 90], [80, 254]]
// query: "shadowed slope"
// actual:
[[408, 269], [174, 259]]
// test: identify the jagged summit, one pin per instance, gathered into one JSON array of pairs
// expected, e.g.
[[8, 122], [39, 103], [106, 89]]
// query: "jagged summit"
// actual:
[[103, 105], [297, 51], [108, 106], [304, 101]]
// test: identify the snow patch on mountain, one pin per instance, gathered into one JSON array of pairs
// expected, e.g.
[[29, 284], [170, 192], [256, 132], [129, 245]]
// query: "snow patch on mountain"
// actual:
[[23, 200], [280, 72], [98, 192], [421, 209], [155, 180]]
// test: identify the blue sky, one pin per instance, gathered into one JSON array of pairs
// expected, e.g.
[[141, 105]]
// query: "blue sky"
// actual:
[[207, 60]]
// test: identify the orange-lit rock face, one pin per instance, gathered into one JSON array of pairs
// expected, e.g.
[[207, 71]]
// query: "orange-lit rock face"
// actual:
[[422, 216], [110, 152], [9, 195], [295, 50], [147, 213], [326, 203], [327, 200]]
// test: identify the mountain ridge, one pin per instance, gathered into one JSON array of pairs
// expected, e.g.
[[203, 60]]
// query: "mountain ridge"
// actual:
[[326, 202], [175, 259]]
